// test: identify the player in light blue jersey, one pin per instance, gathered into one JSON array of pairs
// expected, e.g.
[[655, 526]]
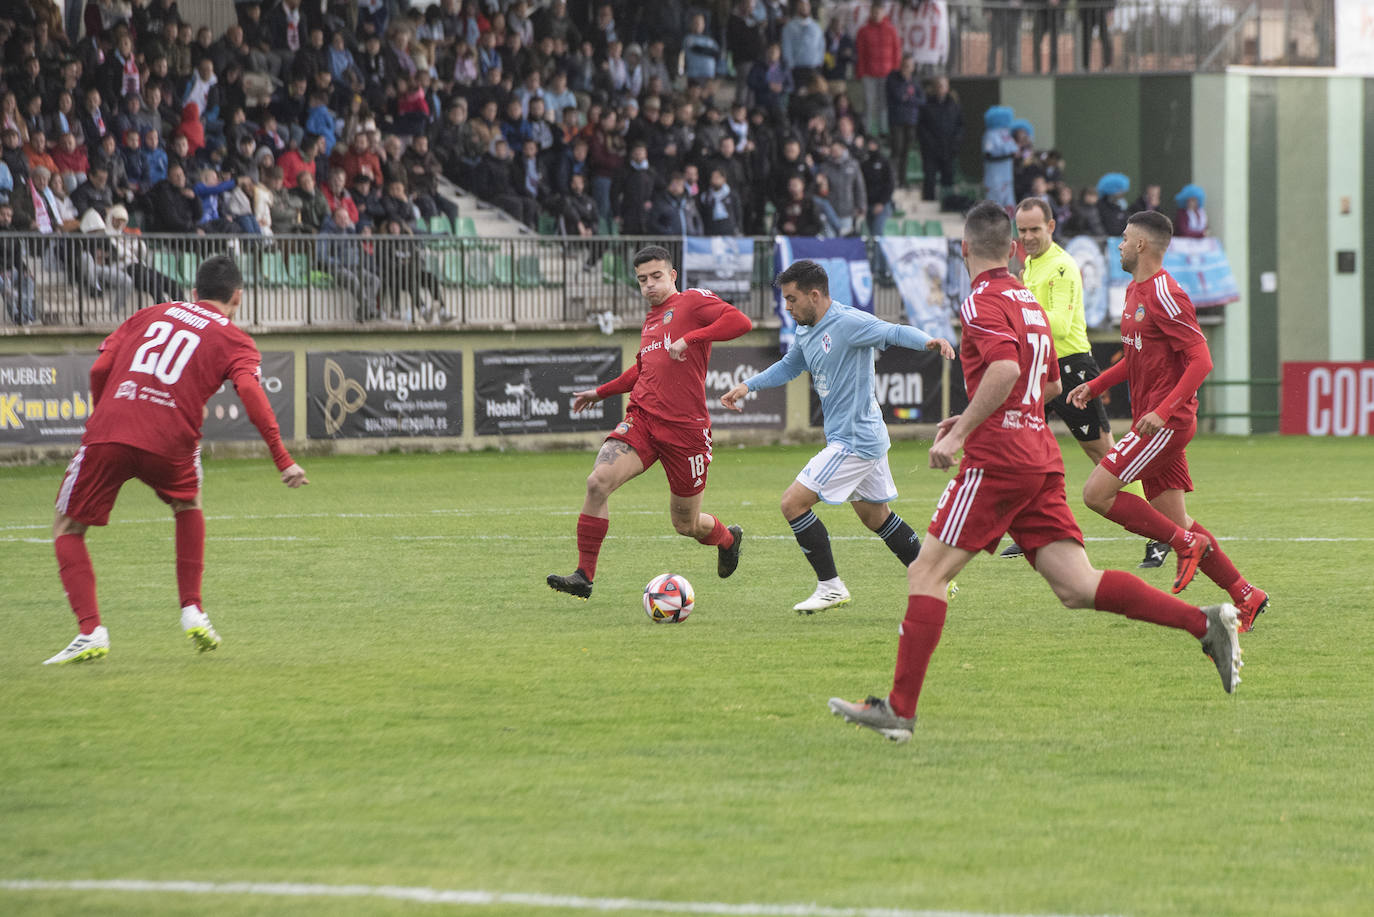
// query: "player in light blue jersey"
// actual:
[[835, 343]]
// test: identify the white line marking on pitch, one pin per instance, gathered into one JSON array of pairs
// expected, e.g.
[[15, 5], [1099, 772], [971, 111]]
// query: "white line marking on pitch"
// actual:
[[476, 897]]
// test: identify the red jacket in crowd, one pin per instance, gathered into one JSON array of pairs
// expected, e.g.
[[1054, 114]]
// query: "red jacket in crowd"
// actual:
[[878, 47]]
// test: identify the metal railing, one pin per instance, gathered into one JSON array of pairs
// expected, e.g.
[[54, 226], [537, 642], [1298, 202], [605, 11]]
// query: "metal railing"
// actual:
[[1136, 36], [297, 282]]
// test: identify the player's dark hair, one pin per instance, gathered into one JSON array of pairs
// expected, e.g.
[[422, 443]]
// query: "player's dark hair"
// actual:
[[1156, 225], [987, 230], [218, 278], [805, 275], [653, 253], [1036, 203]]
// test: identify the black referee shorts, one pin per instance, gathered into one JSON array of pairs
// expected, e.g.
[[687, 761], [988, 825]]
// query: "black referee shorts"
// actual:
[[1091, 422]]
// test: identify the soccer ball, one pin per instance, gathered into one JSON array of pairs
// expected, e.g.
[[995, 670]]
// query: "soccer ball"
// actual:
[[668, 598]]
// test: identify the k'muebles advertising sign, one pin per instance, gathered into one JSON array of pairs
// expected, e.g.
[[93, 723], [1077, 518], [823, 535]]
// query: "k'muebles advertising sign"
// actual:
[[531, 391], [907, 385], [47, 399], [373, 393], [44, 399], [765, 409], [1327, 399]]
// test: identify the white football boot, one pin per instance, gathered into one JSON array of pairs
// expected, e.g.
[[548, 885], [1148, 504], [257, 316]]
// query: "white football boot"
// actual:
[[827, 595], [198, 629], [84, 648]]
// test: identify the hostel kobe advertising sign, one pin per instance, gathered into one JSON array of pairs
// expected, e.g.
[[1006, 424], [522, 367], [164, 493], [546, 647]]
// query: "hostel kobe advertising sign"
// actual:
[[371, 393], [531, 391]]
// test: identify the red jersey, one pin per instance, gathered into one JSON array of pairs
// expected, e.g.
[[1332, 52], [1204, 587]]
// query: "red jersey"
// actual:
[[1158, 325], [167, 362], [1002, 321], [671, 389]]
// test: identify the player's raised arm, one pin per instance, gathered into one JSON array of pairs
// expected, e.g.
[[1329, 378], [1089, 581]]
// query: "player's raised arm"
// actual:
[[727, 324]]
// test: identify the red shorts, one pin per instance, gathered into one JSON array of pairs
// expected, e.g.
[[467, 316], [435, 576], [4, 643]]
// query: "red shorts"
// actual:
[[1158, 463], [98, 470], [979, 506], [684, 449]]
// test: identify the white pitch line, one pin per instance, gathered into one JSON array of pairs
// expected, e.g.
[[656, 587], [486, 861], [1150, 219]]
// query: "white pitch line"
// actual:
[[478, 897]]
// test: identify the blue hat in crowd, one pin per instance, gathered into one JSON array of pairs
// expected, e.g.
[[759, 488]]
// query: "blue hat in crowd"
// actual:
[[1021, 124], [1191, 191], [998, 116], [1113, 183]]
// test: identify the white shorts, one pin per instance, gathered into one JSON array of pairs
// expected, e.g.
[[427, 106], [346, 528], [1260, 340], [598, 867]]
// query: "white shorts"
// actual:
[[840, 476]]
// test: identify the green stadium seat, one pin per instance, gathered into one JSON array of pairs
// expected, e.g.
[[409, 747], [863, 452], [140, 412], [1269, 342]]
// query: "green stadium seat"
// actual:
[[548, 226], [248, 267], [935, 228], [440, 225], [894, 227], [477, 268], [189, 264], [913, 228], [274, 273], [502, 270], [298, 270], [451, 269], [527, 273], [466, 228], [166, 263]]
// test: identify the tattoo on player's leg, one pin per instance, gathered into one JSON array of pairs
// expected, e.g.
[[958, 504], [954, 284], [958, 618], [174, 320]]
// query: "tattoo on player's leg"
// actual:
[[611, 451]]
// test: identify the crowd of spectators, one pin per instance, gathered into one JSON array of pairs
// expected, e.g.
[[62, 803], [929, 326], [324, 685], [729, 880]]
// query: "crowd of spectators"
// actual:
[[311, 115], [1015, 170]]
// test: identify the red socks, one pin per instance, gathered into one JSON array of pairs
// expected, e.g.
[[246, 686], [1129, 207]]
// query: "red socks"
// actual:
[[190, 538], [78, 579], [720, 536], [1217, 567], [920, 634], [1134, 514], [1124, 594], [591, 531]]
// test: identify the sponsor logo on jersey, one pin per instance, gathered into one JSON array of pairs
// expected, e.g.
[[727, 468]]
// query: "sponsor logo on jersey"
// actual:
[[1033, 317], [825, 342], [127, 389], [1132, 341]]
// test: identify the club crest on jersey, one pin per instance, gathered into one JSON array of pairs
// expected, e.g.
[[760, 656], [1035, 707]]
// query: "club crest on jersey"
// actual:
[[667, 316], [1140, 313], [623, 427], [825, 342]]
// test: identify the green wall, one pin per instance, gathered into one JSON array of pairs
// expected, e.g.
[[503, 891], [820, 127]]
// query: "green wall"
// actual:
[[1166, 136], [1304, 255], [1097, 127], [1367, 221], [1263, 235]]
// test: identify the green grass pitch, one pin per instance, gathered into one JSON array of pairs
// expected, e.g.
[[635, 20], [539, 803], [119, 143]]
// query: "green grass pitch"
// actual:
[[400, 700]]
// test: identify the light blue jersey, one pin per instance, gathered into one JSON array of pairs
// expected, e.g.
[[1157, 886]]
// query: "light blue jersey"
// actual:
[[838, 352]]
